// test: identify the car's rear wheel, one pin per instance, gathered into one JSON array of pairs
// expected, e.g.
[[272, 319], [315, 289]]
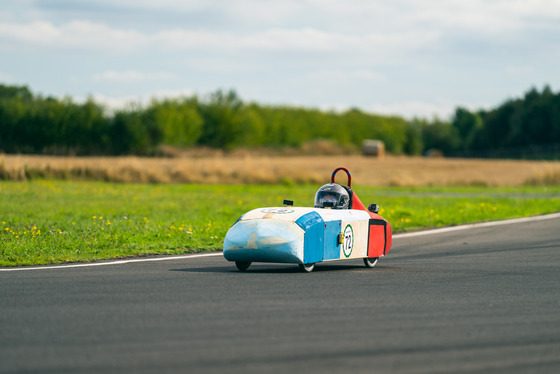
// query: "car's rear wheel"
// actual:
[[370, 261], [308, 268], [242, 265]]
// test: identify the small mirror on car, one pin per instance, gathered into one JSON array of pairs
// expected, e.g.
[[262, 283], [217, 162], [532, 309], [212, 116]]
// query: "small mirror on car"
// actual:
[[374, 208]]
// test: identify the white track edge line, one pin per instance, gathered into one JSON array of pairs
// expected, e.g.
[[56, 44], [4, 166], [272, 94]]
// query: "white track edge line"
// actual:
[[190, 256], [477, 225], [116, 262]]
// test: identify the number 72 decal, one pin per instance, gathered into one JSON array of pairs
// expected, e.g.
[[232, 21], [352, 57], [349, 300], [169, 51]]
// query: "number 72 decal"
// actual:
[[348, 242]]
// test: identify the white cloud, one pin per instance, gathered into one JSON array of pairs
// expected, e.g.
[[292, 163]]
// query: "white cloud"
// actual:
[[5, 78], [415, 108], [36, 32], [474, 13], [244, 10], [311, 39], [86, 35], [113, 103], [301, 39], [406, 109], [187, 39], [412, 51], [219, 65], [518, 69], [502, 17], [312, 25], [345, 76], [302, 24], [131, 76], [74, 35]]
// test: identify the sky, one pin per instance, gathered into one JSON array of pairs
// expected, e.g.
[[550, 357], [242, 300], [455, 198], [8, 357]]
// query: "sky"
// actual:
[[409, 58]]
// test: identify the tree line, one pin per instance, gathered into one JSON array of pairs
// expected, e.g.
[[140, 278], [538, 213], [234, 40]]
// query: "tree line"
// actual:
[[32, 123], [532, 121]]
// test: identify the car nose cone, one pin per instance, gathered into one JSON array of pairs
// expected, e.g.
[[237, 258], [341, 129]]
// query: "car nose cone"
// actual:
[[264, 240]]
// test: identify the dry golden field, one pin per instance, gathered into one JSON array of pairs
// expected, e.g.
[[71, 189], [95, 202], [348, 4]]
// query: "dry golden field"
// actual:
[[390, 171]]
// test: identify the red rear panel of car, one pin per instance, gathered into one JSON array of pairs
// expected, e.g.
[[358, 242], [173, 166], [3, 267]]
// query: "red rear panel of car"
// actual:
[[377, 237]]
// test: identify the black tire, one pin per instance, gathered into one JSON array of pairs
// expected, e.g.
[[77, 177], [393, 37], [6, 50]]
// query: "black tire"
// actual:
[[308, 268], [371, 261], [242, 265]]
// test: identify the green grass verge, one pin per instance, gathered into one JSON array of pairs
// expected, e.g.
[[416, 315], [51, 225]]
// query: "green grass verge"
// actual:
[[46, 222]]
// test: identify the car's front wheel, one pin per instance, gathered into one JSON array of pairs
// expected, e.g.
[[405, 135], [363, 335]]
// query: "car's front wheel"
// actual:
[[370, 261], [242, 265], [308, 268]]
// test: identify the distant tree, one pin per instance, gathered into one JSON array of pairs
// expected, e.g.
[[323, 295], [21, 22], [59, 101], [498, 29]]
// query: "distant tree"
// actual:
[[414, 143], [221, 127], [36, 124], [15, 92], [537, 117], [467, 125], [361, 125], [90, 132], [177, 120], [130, 133], [252, 128], [439, 135], [532, 120], [12, 111]]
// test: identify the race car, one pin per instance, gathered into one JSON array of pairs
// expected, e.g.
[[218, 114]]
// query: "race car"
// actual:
[[338, 227]]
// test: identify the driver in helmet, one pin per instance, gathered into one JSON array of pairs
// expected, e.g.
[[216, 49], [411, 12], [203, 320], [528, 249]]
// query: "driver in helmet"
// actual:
[[332, 196]]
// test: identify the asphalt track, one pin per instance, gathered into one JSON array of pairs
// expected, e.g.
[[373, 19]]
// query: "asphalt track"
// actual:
[[476, 300]]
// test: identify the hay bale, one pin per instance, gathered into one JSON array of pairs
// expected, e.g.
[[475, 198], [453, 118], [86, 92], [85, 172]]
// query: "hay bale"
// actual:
[[433, 153], [373, 148]]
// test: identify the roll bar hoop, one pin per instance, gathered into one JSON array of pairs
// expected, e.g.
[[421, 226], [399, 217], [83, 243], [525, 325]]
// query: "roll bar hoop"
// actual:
[[347, 173]]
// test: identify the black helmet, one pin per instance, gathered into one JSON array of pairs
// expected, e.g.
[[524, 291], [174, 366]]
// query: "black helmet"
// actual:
[[332, 196]]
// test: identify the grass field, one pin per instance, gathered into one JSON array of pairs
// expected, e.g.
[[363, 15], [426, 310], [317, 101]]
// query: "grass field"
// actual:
[[48, 221]]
